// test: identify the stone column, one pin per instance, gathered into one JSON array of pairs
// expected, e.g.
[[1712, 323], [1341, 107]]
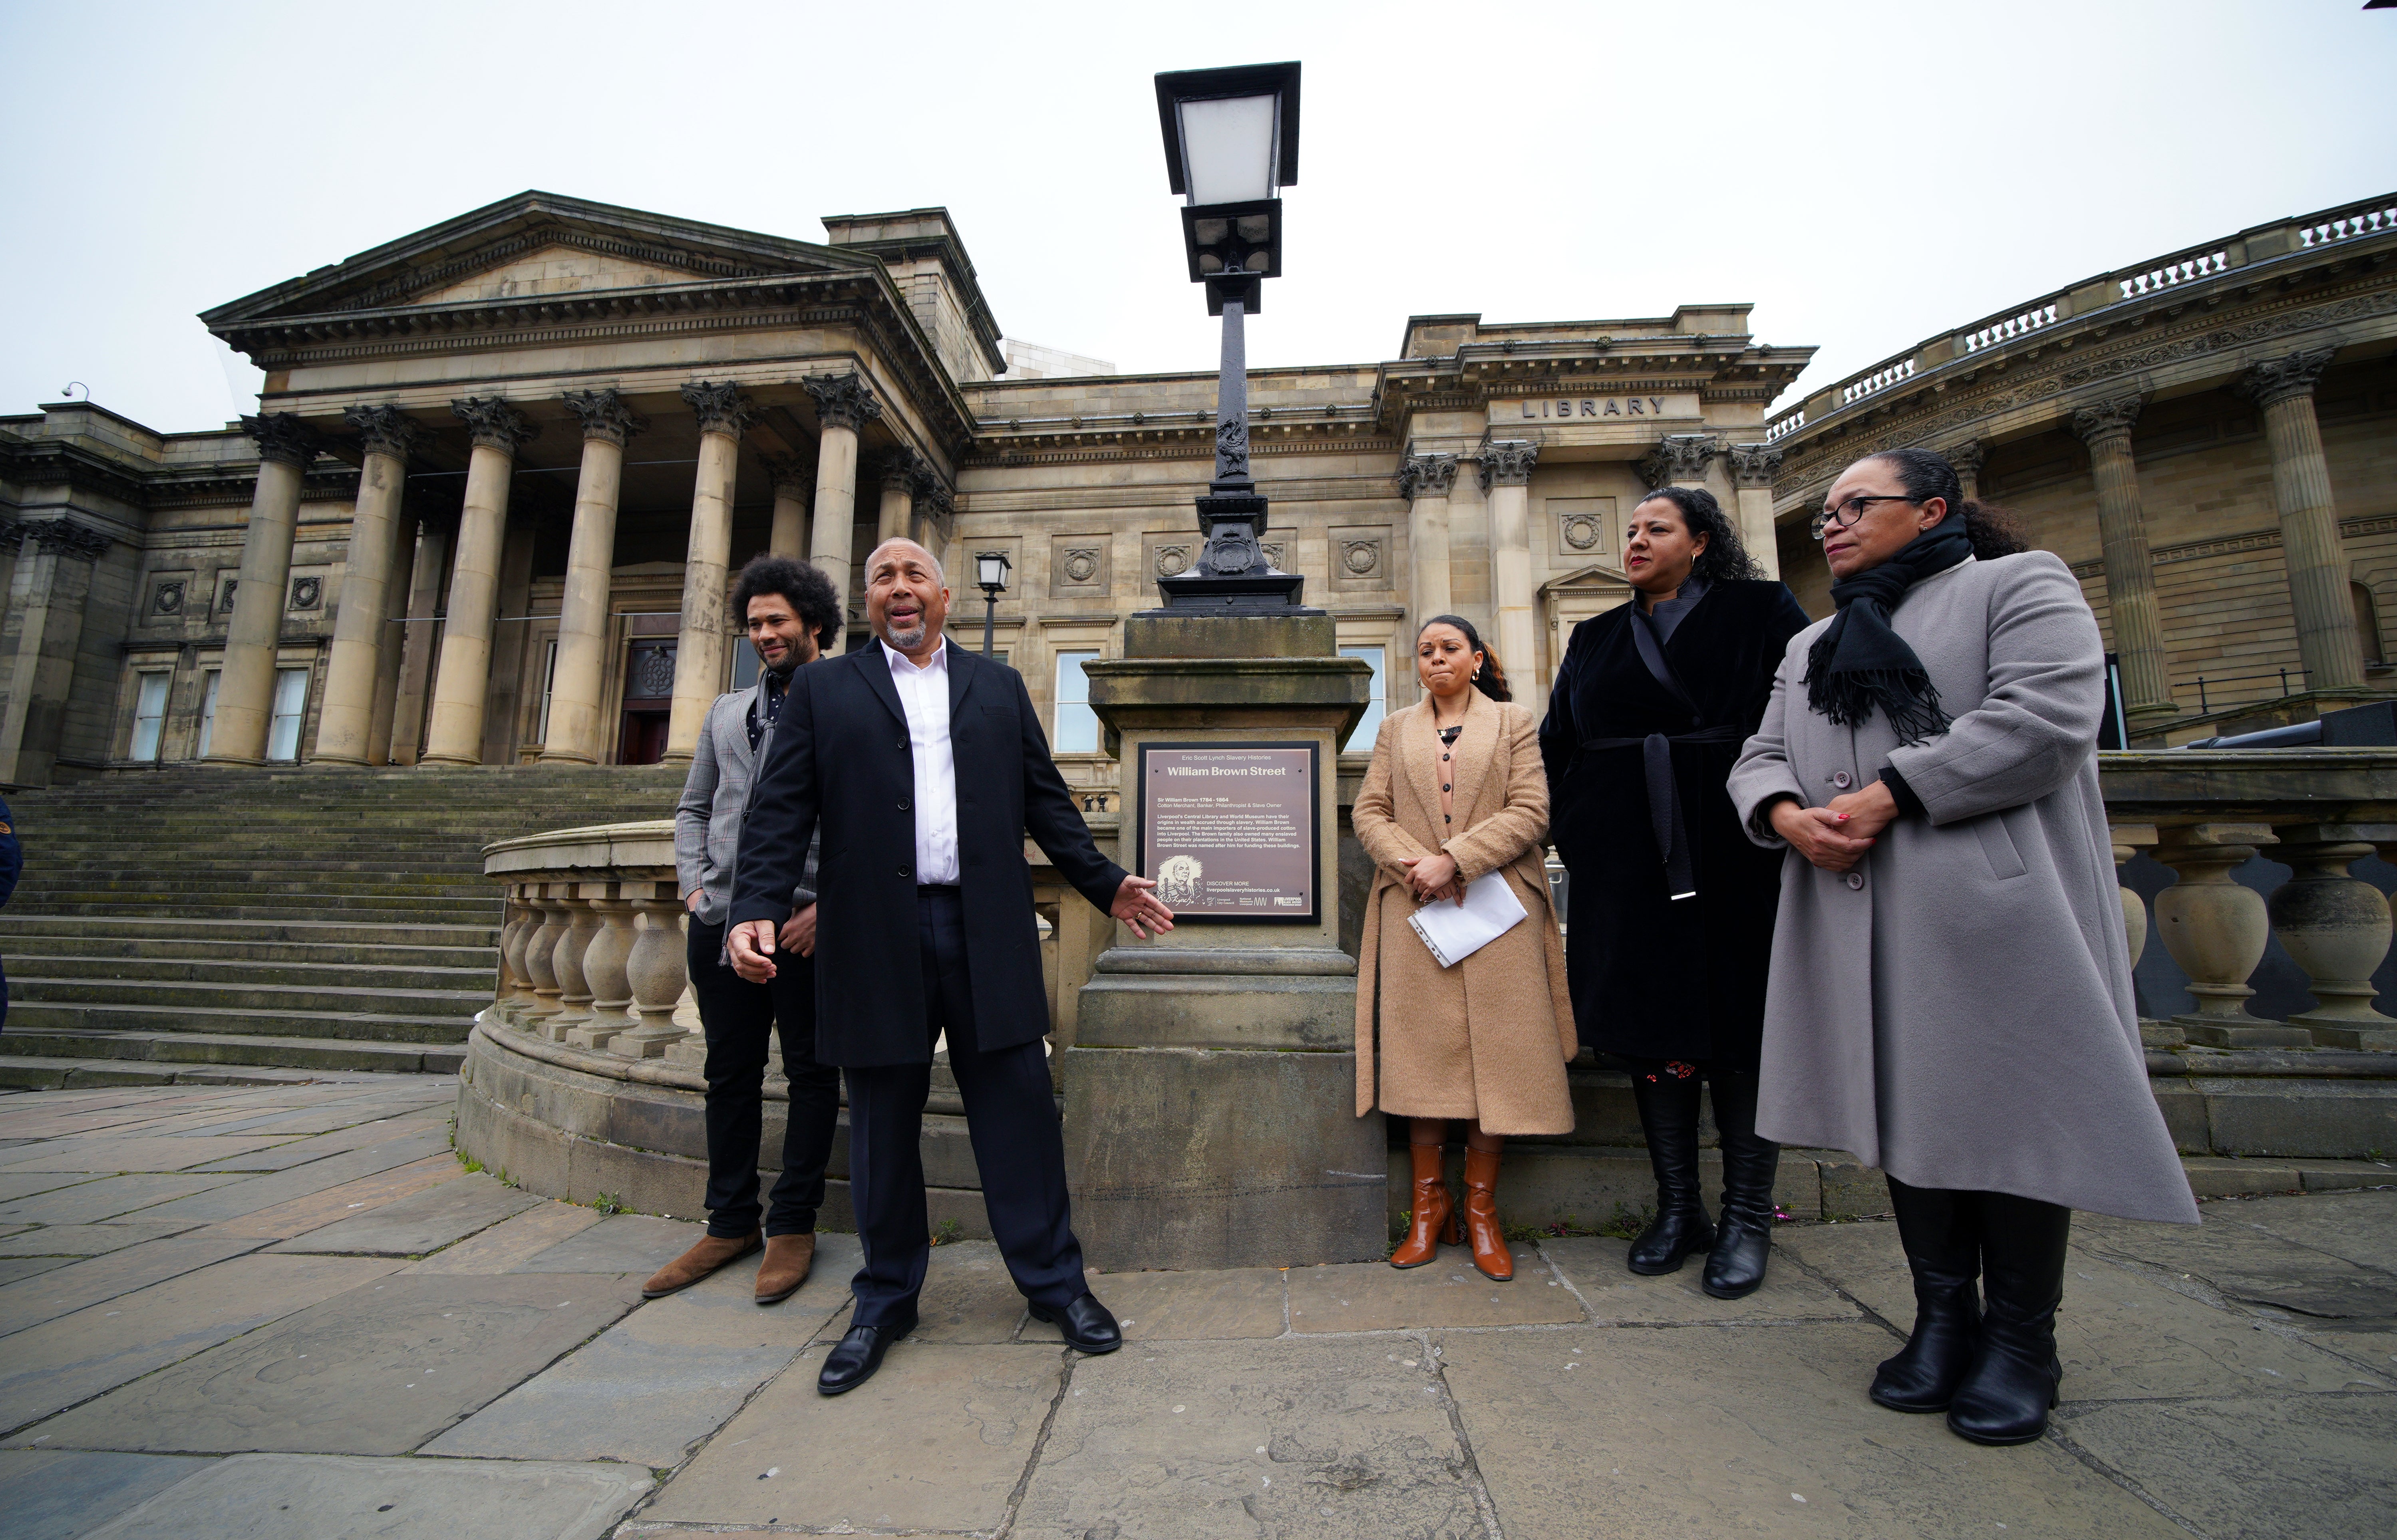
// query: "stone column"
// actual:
[[902, 469], [794, 481], [426, 581], [576, 735], [1506, 482], [699, 656], [1753, 466], [462, 680], [2129, 577], [844, 403], [935, 518], [1425, 481], [40, 634], [246, 688], [391, 647], [1966, 457], [345, 722], [2283, 390]]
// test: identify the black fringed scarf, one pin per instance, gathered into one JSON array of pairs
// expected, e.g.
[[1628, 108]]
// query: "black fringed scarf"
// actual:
[[1858, 662]]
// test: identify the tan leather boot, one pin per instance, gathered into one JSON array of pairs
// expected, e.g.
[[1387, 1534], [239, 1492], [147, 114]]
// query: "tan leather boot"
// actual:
[[713, 1251], [1435, 1211], [1489, 1251], [789, 1258]]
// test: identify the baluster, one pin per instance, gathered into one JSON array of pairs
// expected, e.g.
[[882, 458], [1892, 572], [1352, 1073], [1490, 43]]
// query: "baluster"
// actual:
[[2336, 927], [604, 970], [553, 924], [573, 1020], [2216, 929], [656, 971], [516, 986], [2129, 840]]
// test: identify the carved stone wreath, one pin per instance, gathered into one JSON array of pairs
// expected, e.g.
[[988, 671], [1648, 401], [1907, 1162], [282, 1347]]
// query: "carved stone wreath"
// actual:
[[1273, 550], [1582, 531], [1172, 561], [168, 599], [1082, 564], [307, 593], [224, 595], [1360, 557]]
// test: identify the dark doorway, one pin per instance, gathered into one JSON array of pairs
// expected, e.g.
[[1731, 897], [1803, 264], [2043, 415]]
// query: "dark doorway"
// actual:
[[645, 737], [649, 700]]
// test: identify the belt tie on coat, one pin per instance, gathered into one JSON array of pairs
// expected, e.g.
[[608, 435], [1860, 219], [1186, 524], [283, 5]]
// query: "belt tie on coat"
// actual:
[[1665, 798]]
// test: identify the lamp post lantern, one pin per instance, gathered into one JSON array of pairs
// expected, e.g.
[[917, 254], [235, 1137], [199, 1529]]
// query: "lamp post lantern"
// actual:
[[990, 575], [1231, 144]]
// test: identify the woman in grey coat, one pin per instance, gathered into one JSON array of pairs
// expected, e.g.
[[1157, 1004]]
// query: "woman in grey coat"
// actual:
[[1950, 993]]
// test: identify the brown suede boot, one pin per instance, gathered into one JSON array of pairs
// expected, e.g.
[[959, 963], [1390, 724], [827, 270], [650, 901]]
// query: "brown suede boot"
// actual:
[[1490, 1251], [1435, 1211], [789, 1258], [713, 1251]]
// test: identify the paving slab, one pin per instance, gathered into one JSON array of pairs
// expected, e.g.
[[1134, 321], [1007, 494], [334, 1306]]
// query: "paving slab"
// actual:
[[2293, 1468], [419, 1222], [2357, 1226], [512, 1240], [330, 1205], [375, 1370], [1334, 1439], [1375, 1296], [163, 1152], [2248, 1265], [235, 1198], [621, 1243], [1185, 1306], [967, 1295], [324, 1119], [15, 1267], [82, 1354], [84, 1240], [1613, 1292], [18, 1185], [301, 1149], [106, 1198], [1718, 1431], [664, 1378], [33, 1300], [320, 1498], [56, 1494], [936, 1440]]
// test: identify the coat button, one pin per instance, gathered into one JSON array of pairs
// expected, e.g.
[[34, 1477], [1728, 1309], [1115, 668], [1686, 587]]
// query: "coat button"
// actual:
[[1855, 880], [1840, 780], [903, 807], [1859, 882], [901, 745]]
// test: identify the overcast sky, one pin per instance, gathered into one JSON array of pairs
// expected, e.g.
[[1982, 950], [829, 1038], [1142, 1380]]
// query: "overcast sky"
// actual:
[[1866, 175]]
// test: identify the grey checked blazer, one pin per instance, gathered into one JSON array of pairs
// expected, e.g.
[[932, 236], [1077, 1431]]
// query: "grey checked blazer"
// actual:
[[707, 820]]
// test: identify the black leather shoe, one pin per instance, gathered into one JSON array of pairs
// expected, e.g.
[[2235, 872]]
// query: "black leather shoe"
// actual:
[[1089, 1326], [852, 1362]]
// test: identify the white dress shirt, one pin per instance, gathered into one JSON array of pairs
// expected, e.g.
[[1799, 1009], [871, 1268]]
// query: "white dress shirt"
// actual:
[[924, 694]]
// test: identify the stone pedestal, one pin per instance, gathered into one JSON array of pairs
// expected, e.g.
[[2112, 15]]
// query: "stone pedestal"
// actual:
[[1211, 1089]]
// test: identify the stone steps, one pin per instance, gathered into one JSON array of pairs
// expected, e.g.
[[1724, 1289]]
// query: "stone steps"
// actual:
[[186, 1049], [26, 947], [241, 991], [31, 1073], [212, 930], [354, 908], [340, 971], [29, 1017]]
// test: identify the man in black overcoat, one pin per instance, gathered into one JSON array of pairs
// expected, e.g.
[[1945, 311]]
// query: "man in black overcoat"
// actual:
[[925, 767]]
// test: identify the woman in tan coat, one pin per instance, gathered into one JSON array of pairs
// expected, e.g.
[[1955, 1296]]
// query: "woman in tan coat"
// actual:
[[1457, 791]]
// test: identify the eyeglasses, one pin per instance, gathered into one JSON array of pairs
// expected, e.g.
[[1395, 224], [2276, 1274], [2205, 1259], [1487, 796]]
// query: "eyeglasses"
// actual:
[[1851, 510]]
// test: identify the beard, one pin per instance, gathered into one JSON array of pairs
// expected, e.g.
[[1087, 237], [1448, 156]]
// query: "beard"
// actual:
[[909, 639]]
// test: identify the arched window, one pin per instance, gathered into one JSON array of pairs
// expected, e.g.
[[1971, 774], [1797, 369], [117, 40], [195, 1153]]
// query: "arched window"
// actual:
[[2367, 624]]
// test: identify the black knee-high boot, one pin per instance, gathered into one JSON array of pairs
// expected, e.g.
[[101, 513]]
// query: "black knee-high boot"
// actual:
[[1744, 1241], [1668, 1115], [1939, 1228], [2013, 1382]]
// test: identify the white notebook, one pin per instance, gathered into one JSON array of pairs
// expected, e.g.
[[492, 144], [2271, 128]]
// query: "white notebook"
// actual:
[[1490, 909]]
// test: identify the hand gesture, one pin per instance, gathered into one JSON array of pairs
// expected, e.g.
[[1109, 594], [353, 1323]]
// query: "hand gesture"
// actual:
[[1140, 907], [1820, 835], [751, 943]]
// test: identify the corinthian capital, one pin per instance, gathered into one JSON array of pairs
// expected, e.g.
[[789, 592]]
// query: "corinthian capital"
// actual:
[[791, 476], [843, 401], [604, 415], [493, 423], [720, 408], [1966, 457], [1427, 476], [282, 438], [904, 470], [67, 538], [1753, 466], [385, 430], [2104, 419], [2269, 384], [1507, 462]]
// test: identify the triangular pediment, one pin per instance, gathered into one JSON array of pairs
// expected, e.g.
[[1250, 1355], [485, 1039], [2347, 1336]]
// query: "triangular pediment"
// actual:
[[1597, 579], [530, 245]]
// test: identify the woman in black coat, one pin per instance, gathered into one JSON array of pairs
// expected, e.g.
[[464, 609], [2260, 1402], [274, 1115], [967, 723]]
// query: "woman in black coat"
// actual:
[[1670, 926]]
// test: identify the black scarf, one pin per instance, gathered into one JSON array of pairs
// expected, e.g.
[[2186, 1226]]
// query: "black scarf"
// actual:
[[1858, 662]]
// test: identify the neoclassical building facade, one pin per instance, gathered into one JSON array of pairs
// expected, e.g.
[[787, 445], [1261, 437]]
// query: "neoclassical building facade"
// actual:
[[503, 469]]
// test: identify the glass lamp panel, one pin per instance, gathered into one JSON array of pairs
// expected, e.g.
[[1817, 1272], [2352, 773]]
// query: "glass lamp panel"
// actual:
[[1227, 145], [990, 569]]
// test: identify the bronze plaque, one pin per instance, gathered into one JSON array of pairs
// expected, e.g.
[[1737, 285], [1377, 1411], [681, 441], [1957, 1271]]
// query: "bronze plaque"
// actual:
[[1229, 831]]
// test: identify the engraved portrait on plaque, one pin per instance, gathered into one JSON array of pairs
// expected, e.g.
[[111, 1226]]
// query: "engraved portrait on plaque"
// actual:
[[1230, 830]]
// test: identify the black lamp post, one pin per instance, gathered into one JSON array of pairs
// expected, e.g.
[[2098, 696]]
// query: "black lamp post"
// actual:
[[1231, 143], [990, 575]]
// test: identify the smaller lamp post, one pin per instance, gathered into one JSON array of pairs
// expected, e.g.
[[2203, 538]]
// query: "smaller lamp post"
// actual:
[[990, 575]]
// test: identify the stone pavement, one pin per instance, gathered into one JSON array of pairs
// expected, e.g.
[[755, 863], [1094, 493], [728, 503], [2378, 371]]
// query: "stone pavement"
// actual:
[[287, 1312]]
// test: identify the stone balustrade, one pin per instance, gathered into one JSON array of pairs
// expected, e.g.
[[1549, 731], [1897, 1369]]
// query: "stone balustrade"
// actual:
[[591, 952], [2203, 814]]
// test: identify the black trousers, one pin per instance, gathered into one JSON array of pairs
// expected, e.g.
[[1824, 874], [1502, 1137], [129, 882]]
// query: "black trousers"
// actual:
[[737, 1015], [1012, 1118]]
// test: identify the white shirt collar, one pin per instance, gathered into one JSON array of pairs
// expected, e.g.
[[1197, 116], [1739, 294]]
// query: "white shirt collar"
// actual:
[[940, 663]]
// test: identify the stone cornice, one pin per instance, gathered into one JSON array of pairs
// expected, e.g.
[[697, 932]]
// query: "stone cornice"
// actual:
[[35, 462], [2235, 545]]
